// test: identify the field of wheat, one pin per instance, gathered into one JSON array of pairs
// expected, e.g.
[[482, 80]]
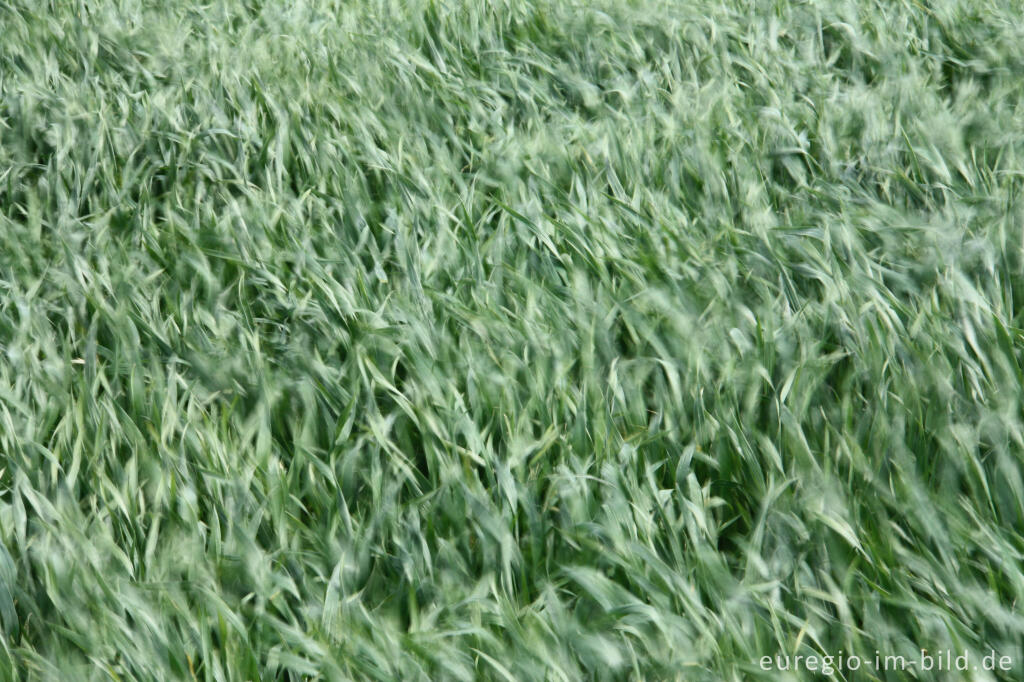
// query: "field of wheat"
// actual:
[[517, 340]]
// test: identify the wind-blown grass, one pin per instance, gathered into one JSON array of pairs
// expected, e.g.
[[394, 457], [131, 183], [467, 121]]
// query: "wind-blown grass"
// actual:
[[515, 340]]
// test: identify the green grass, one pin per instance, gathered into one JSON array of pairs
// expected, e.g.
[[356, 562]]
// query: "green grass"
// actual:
[[519, 340]]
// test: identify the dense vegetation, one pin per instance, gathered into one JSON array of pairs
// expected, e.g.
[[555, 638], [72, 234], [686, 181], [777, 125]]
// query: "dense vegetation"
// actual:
[[518, 340]]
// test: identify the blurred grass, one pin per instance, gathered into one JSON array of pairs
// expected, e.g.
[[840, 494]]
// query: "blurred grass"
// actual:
[[517, 340]]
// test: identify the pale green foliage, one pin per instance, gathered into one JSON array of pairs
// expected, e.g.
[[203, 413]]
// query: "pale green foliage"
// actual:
[[518, 340]]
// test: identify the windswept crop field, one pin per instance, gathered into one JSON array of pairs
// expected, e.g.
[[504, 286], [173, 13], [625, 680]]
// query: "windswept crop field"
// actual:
[[513, 340]]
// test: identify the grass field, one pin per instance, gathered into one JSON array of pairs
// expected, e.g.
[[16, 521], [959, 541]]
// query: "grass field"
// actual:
[[524, 340]]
